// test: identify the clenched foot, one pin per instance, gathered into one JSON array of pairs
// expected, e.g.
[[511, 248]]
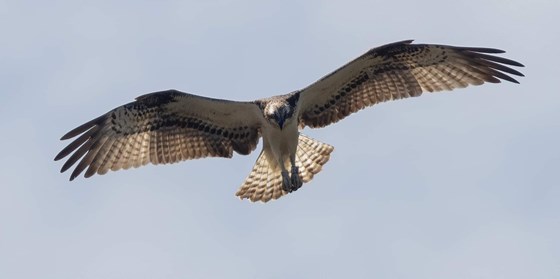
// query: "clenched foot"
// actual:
[[296, 180], [290, 184], [286, 183]]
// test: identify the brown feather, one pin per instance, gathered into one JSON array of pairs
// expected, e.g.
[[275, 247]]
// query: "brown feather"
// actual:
[[399, 70], [161, 128]]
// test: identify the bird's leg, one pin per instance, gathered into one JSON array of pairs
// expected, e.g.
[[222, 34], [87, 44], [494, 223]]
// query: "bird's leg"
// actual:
[[295, 179], [291, 182], [286, 184]]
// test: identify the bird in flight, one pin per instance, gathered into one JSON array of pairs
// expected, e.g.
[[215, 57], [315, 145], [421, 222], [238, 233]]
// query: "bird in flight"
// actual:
[[171, 126]]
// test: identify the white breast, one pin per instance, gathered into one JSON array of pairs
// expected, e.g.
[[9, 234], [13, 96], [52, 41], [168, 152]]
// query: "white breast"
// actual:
[[280, 144]]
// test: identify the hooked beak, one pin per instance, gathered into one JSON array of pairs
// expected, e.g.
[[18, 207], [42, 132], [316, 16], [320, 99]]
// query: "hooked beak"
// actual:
[[280, 117], [280, 120]]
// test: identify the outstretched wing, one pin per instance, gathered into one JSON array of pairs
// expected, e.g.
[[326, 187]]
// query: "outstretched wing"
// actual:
[[159, 128], [399, 70]]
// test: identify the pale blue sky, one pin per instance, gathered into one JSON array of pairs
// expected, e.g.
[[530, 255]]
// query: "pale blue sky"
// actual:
[[455, 185]]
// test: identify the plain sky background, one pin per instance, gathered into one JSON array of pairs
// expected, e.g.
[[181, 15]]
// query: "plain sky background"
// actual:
[[452, 185]]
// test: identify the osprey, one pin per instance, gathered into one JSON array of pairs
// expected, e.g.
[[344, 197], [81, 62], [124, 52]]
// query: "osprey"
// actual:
[[171, 126]]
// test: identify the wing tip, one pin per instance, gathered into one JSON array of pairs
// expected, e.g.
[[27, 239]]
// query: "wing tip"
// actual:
[[58, 156], [84, 127], [517, 64], [70, 134], [499, 67]]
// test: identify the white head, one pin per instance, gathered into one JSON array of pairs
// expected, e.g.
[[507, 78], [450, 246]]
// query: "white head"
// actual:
[[278, 112]]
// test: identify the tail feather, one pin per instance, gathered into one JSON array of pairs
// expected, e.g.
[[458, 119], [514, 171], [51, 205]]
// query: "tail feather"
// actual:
[[311, 155], [265, 180], [263, 183], [259, 178]]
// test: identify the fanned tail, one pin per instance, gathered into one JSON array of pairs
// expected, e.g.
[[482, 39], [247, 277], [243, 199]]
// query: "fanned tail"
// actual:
[[265, 180], [263, 183], [311, 155]]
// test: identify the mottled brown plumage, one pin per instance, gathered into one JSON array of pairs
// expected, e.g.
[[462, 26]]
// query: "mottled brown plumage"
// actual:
[[396, 71], [157, 129], [172, 126]]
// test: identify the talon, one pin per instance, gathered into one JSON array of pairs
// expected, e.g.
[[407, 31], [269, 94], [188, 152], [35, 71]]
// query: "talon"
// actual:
[[295, 179], [286, 183]]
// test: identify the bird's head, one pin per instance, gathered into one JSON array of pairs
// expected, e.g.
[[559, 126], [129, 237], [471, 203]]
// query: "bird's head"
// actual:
[[279, 113]]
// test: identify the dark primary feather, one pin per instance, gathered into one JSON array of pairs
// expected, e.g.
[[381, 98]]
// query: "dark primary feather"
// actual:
[[159, 128], [400, 70]]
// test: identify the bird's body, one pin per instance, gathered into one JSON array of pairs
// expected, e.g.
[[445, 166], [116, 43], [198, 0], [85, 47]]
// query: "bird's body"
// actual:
[[171, 126]]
